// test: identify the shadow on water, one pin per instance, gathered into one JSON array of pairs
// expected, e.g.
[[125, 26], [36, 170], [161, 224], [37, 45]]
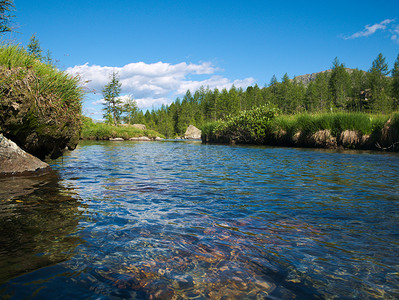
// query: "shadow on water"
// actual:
[[38, 219]]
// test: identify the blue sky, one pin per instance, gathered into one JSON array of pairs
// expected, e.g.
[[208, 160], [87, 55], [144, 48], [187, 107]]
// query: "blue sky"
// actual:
[[162, 48]]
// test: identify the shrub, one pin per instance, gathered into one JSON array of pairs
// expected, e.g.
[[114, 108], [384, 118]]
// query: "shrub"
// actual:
[[251, 126]]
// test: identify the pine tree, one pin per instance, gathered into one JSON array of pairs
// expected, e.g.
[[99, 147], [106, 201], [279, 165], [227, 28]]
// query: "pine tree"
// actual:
[[339, 85], [6, 7], [395, 82], [111, 92], [378, 82], [358, 99], [34, 47], [130, 110]]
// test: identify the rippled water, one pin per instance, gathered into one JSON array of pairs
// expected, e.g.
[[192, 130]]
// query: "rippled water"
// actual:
[[179, 220]]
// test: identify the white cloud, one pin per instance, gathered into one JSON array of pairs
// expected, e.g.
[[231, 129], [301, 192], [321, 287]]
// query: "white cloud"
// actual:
[[155, 84], [371, 29]]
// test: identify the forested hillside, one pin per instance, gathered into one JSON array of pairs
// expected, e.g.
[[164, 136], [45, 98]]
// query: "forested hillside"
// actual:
[[336, 90]]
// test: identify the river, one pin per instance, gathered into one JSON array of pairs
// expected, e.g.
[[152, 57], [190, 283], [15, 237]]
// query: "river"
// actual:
[[184, 220]]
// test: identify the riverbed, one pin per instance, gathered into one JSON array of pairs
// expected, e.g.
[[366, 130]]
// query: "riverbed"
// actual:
[[185, 220]]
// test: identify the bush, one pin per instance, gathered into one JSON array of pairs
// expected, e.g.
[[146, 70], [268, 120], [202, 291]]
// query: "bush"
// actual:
[[251, 126]]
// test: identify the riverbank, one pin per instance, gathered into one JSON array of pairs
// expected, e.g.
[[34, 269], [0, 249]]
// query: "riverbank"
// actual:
[[331, 131], [40, 106], [102, 131]]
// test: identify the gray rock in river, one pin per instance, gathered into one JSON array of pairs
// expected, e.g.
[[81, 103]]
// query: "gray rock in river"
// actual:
[[141, 138], [140, 126], [193, 132], [14, 160]]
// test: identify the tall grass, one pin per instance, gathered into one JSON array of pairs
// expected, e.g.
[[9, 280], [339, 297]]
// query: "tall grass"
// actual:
[[52, 80], [366, 124], [301, 130]]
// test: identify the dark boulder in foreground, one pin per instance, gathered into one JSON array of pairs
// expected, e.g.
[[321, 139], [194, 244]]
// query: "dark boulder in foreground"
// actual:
[[14, 160]]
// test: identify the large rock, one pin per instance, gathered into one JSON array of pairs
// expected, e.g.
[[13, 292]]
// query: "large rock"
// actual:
[[141, 138], [192, 132], [14, 160], [140, 126]]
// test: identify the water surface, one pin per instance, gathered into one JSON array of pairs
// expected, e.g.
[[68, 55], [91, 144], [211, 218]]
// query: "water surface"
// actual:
[[178, 220]]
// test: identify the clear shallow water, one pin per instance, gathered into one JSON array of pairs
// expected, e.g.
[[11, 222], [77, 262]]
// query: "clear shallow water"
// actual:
[[177, 220]]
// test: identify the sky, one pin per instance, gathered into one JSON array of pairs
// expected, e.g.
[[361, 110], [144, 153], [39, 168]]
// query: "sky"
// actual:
[[160, 49]]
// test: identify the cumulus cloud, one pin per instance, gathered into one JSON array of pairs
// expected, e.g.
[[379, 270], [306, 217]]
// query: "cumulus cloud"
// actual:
[[157, 83], [368, 30]]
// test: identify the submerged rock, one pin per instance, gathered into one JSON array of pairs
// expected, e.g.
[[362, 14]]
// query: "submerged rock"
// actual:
[[14, 160], [116, 139], [192, 132], [141, 138]]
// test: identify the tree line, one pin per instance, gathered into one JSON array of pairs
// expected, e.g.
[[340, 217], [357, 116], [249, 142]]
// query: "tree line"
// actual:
[[336, 90]]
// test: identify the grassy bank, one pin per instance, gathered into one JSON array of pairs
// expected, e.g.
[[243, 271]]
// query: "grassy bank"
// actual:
[[328, 130], [40, 106], [102, 131]]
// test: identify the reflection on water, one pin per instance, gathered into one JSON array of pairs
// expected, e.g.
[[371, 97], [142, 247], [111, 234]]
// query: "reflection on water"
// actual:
[[38, 220], [175, 220]]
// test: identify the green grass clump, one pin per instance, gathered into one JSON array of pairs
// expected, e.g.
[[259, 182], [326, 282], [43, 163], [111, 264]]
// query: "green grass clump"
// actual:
[[51, 80], [209, 128]]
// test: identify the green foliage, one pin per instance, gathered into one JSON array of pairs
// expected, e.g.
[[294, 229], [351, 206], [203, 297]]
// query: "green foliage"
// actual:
[[251, 126], [209, 128], [6, 7]]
